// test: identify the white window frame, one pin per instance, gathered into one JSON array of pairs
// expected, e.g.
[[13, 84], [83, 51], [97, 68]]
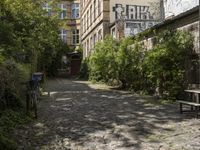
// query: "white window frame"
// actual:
[[75, 37], [63, 35], [75, 8], [47, 8], [62, 8]]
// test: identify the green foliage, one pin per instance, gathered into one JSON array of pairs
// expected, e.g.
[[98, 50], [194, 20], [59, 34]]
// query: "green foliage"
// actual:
[[128, 58], [29, 36], [29, 42], [102, 63], [165, 64], [84, 70], [160, 70], [12, 90], [8, 121]]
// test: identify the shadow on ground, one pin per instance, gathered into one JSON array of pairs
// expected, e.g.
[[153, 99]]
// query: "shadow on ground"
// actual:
[[79, 115]]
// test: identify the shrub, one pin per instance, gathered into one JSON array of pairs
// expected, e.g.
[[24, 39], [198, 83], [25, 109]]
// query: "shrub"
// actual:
[[102, 65], [165, 63], [160, 70], [8, 121], [84, 70], [12, 90]]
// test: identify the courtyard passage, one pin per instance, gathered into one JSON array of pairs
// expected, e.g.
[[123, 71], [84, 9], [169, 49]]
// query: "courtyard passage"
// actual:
[[79, 115]]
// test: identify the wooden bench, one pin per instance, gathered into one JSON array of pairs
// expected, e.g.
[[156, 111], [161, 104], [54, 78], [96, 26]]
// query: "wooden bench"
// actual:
[[192, 104]]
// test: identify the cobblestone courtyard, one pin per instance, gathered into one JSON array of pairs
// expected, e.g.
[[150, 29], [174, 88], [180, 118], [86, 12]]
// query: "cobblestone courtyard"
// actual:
[[79, 115]]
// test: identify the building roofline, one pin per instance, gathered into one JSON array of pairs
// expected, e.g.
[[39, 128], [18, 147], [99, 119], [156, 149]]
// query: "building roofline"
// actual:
[[180, 16]]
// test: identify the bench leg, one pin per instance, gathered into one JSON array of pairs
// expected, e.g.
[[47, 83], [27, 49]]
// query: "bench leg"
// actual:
[[192, 108], [181, 108]]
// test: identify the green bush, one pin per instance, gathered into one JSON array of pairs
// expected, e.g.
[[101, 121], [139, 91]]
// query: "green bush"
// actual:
[[165, 63], [160, 70], [8, 121], [102, 65], [12, 89], [84, 70]]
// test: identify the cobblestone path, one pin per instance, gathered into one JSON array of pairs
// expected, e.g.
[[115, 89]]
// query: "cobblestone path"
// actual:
[[84, 116]]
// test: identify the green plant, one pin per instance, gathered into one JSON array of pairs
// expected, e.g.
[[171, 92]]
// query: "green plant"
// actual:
[[165, 63], [12, 90], [160, 70], [102, 65], [9, 120], [84, 71]]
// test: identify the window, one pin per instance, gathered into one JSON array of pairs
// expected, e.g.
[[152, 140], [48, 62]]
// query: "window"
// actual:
[[100, 35], [91, 43], [113, 32], [63, 35], [94, 9], [95, 39], [75, 37], [87, 51], [47, 7], [86, 21], [91, 15], [87, 18], [89, 21], [75, 11], [84, 24], [63, 11], [99, 7]]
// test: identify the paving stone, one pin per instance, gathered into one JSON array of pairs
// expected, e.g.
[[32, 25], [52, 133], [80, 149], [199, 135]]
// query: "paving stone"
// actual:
[[85, 116]]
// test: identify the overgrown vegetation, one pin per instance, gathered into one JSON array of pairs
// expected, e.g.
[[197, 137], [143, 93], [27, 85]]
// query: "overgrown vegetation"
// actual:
[[157, 71], [29, 42]]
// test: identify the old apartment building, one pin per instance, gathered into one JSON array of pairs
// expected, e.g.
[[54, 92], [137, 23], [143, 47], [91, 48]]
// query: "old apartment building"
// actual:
[[115, 17], [69, 12], [94, 23]]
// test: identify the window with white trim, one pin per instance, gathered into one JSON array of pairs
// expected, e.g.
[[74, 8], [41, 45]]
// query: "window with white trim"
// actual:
[[75, 11], [100, 36], [94, 9], [99, 7], [63, 35], [48, 9], [91, 15], [63, 11], [75, 37]]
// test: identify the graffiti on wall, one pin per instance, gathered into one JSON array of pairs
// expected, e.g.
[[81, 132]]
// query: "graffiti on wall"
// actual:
[[175, 7], [136, 18]]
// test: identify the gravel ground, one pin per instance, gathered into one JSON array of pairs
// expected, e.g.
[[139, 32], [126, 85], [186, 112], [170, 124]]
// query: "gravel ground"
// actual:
[[79, 115]]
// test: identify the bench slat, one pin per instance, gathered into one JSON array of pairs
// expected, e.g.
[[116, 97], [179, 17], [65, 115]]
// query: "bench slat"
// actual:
[[189, 103]]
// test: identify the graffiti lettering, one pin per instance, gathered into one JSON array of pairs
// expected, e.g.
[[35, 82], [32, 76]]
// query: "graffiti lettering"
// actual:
[[133, 12], [137, 18]]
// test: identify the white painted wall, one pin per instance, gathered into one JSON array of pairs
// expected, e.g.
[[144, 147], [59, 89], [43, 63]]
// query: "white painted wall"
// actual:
[[175, 7]]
